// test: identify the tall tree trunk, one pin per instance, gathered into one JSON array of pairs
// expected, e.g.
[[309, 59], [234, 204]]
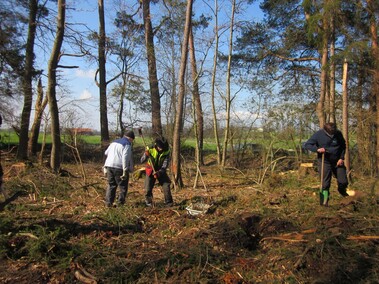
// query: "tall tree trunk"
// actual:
[[375, 56], [214, 69], [362, 139], [323, 77], [55, 158], [199, 123], [152, 68], [40, 105], [332, 76], [104, 131], [27, 78], [228, 96], [179, 114], [345, 114]]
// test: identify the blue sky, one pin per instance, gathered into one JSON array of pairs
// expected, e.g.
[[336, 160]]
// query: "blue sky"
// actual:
[[83, 91]]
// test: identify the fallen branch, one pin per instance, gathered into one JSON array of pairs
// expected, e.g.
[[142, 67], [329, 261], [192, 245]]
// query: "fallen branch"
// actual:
[[292, 237], [30, 235], [284, 239], [82, 278], [363, 238], [83, 275]]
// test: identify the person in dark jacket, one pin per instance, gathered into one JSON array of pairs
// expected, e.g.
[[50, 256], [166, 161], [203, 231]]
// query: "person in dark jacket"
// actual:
[[329, 142], [158, 160], [118, 165]]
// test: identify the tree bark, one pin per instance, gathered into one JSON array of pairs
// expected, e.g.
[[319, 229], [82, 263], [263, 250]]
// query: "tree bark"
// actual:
[[39, 108], [104, 131], [152, 69], [228, 100], [55, 158], [213, 84], [345, 114], [323, 77], [179, 114], [332, 77], [27, 78], [375, 85], [199, 123]]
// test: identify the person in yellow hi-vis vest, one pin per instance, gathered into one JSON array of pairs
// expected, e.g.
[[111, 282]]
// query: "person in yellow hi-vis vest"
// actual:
[[158, 160]]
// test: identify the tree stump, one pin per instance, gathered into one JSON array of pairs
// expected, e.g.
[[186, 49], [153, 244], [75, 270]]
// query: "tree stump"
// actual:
[[305, 169]]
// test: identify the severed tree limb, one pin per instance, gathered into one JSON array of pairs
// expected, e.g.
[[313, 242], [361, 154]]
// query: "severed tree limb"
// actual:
[[363, 238], [284, 238], [83, 275]]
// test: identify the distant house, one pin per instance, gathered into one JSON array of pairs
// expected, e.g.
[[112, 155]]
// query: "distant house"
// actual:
[[80, 131]]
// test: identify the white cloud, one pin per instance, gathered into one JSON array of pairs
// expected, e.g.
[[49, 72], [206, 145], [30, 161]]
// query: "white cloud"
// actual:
[[89, 74], [85, 95]]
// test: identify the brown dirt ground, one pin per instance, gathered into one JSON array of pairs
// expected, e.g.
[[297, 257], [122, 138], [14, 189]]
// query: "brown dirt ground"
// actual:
[[274, 232]]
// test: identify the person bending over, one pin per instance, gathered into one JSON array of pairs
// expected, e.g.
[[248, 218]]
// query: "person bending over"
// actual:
[[158, 159]]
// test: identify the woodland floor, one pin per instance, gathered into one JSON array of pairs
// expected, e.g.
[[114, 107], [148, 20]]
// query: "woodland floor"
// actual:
[[56, 229]]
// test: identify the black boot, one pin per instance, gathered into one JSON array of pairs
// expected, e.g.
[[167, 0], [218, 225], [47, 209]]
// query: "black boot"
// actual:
[[342, 190]]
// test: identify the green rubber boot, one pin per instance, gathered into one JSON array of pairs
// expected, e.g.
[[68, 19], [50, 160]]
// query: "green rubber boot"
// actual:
[[325, 197]]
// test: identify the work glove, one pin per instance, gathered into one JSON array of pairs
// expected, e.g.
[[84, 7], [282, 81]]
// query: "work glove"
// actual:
[[147, 153], [105, 171], [148, 170], [124, 176]]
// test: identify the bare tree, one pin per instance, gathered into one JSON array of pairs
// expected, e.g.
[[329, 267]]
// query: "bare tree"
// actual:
[[55, 158], [228, 99], [104, 132], [198, 117], [152, 69], [179, 114], [213, 84], [40, 105], [27, 78]]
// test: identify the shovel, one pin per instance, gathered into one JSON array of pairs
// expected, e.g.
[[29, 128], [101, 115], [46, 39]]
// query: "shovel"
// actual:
[[324, 194]]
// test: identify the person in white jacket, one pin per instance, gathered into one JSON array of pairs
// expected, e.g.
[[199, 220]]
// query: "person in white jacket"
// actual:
[[118, 165]]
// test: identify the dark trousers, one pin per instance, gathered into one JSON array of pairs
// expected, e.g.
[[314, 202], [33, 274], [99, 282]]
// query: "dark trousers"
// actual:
[[114, 180], [331, 169], [164, 181]]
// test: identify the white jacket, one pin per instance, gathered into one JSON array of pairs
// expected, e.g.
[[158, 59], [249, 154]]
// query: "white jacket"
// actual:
[[120, 155]]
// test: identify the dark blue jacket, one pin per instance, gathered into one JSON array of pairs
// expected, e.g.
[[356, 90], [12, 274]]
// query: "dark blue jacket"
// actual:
[[335, 145]]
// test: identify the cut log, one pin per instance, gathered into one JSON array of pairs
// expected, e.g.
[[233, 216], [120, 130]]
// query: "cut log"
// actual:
[[305, 169]]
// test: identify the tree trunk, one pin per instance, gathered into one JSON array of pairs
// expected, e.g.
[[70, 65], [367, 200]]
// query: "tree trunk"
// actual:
[[362, 138], [27, 78], [345, 114], [199, 122], [228, 96], [39, 108], [324, 60], [104, 131], [332, 79], [179, 114], [152, 69], [214, 69], [55, 158], [375, 85]]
